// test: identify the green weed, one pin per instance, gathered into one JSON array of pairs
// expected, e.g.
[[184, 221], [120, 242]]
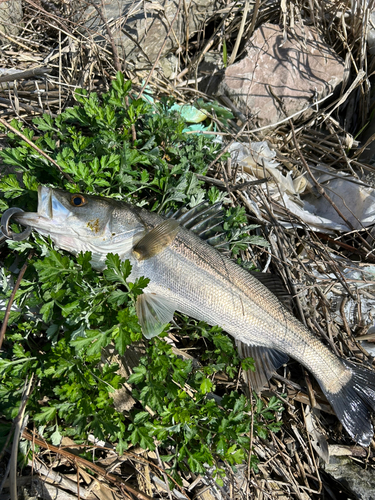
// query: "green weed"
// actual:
[[66, 312]]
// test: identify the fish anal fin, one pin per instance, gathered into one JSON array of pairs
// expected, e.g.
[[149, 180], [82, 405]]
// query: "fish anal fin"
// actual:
[[267, 361], [156, 240], [154, 313]]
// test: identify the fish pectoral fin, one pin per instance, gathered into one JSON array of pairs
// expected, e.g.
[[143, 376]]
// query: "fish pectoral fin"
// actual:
[[156, 240], [267, 361], [154, 313]]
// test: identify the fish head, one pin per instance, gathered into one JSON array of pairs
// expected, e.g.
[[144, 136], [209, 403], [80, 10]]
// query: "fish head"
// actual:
[[78, 222]]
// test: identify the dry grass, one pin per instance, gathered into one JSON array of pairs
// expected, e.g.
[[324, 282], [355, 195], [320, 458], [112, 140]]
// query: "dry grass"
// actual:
[[65, 56]]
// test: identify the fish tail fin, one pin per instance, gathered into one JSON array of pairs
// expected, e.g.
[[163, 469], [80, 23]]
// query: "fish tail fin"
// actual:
[[354, 403]]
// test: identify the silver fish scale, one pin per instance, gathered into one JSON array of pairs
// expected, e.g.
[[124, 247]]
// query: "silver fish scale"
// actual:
[[207, 286]]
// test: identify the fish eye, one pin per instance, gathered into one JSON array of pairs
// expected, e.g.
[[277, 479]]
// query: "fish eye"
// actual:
[[78, 200]]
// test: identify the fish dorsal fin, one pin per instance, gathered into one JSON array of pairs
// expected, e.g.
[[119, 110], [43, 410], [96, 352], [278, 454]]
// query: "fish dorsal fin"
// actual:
[[205, 221], [201, 212], [154, 313], [267, 361], [156, 240], [275, 285]]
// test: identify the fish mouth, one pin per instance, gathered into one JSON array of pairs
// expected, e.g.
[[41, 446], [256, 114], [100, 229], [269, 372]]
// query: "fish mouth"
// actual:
[[51, 215], [45, 205]]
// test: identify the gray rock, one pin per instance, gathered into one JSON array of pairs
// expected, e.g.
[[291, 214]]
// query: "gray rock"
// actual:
[[278, 77], [10, 17], [212, 62], [359, 481], [139, 28]]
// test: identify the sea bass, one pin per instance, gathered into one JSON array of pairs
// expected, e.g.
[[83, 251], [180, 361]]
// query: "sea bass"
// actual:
[[190, 276]]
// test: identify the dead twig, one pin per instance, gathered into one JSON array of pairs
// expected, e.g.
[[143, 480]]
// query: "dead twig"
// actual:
[[16, 437], [160, 51], [11, 298], [240, 33], [116, 59], [86, 463], [30, 73]]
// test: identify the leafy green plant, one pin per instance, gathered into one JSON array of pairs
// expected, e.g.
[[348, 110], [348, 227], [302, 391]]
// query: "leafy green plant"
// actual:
[[92, 142], [66, 312]]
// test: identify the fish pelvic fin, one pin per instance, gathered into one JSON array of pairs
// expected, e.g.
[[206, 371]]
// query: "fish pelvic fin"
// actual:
[[354, 403], [154, 313], [156, 240], [266, 362]]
